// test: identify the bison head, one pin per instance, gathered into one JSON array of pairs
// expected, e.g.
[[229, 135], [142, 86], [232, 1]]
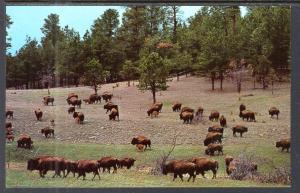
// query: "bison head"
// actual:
[[206, 142], [32, 164], [75, 114], [134, 141], [278, 144]]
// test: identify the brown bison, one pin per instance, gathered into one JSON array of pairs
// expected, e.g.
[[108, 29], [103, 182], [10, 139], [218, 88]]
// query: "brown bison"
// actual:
[[216, 129], [212, 137], [71, 110], [25, 142], [152, 109], [187, 109], [199, 113], [154, 114], [214, 116], [211, 148], [72, 95], [71, 166], [248, 115], [47, 100], [223, 122], [8, 125], [176, 107], [274, 111], [159, 105], [109, 106], [141, 140], [47, 131], [180, 167], [284, 144], [107, 163], [233, 164], [113, 114], [140, 147], [79, 117], [87, 166], [10, 138], [205, 164], [239, 129], [9, 131], [107, 96], [47, 163], [242, 108], [38, 113], [187, 117], [126, 162], [9, 114], [94, 98], [75, 102]]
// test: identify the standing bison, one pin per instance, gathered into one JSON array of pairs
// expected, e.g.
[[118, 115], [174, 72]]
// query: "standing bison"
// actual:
[[141, 140], [205, 164], [47, 100], [187, 117], [180, 167], [212, 138], [274, 111], [214, 116], [239, 129], [109, 106], [9, 114], [107, 96], [87, 166], [284, 144], [79, 117], [107, 163], [176, 106], [113, 114], [126, 162], [38, 113], [248, 115]]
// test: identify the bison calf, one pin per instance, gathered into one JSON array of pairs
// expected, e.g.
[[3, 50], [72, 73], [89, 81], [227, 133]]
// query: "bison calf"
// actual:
[[38, 113], [79, 117], [284, 144], [205, 164], [9, 114], [141, 140]]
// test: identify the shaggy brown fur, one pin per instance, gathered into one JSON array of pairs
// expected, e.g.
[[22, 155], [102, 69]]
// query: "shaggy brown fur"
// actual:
[[284, 144], [239, 129]]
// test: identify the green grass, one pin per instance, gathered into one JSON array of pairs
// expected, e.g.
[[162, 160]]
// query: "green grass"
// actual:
[[19, 177]]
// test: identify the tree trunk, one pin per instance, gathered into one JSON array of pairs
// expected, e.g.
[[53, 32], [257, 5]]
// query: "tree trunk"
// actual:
[[213, 83], [221, 83], [254, 80], [177, 76], [95, 88], [239, 87], [272, 87], [128, 83], [154, 96]]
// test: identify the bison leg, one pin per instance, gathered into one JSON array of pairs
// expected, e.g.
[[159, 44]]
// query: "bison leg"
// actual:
[[241, 134], [282, 148], [203, 174], [234, 135], [191, 175], [214, 174], [115, 169], [175, 176], [181, 177], [287, 149]]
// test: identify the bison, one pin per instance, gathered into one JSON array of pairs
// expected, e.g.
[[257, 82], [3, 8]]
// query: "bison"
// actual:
[[79, 117], [72, 95], [274, 111], [109, 106], [25, 142], [126, 162], [239, 129], [38, 113], [47, 100], [9, 114], [233, 164], [47, 131], [223, 122], [152, 109], [248, 115], [284, 144], [187, 117], [187, 109], [107, 96], [113, 114], [216, 129], [154, 114], [75, 102], [87, 166], [159, 105], [107, 163], [212, 137], [10, 138], [242, 108], [141, 140], [8, 125], [211, 148], [214, 116], [199, 113], [176, 107], [205, 164], [71, 166], [71, 110], [180, 167]]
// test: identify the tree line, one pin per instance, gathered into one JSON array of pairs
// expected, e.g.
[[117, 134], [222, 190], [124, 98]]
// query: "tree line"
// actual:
[[153, 43]]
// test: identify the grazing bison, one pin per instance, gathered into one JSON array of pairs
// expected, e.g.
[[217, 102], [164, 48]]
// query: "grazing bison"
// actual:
[[242, 108], [107, 163], [141, 140], [180, 167], [248, 115], [9, 114], [152, 109], [214, 116], [10, 138], [159, 106], [205, 164], [87, 166], [75, 102], [71, 110], [212, 137], [47, 163], [79, 117], [109, 106], [25, 142], [211, 148], [187, 117], [284, 144], [71, 166], [233, 164], [8, 125], [38, 113], [126, 162], [274, 111], [216, 129], [47, 100], [176, 107], [113, 114], [239, 129], [94, 98], [223, 122], [47, 131], [107, 96], [199, 113]]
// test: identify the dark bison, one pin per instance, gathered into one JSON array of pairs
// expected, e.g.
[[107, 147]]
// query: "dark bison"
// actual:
[[107, 163], [214, 116], [9, 131], [239, 129], [38, 113], [242, 108], [113, 114], [159, 105], [87, 101], [47, 163], [71, 110], [212, 137], [180, 167], [107, 96], [223, 121], [72, 95], [94, 98], [9, 114], [284, 144], [47, 131], [152, 109], [47, 100], [141, 140], [75, 102], [8, 125], [126, 162], [79, 117], [176, 106], [199, 113], [109, 106], [248, 115], [187, 117], [71, 166], [274, 111], [205, 164], [25, 141], [216, 129], [87, 166], [211, 148]]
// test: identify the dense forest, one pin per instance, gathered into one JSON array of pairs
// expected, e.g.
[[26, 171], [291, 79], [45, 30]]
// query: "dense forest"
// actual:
[[152, 44]]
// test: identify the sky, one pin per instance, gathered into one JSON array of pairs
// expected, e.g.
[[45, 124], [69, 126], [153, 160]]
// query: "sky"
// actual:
[[28, 20]]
